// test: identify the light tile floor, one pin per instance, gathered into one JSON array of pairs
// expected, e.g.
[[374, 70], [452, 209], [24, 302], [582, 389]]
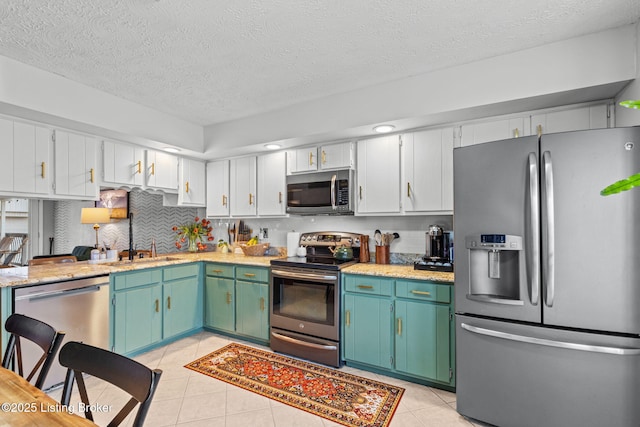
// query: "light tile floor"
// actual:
[[187, 398]]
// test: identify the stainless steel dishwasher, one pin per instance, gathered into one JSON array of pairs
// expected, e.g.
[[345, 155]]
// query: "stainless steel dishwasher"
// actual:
[[78, 307]]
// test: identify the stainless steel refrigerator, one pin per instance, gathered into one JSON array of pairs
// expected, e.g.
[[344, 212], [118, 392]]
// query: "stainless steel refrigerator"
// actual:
[[547, 283]]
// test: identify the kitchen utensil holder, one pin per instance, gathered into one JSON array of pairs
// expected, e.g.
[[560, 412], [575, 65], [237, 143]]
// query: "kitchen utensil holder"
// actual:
[[382, 254], [364, 248]]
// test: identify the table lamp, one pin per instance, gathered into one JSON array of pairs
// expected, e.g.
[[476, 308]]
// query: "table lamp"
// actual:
[[95, 216]]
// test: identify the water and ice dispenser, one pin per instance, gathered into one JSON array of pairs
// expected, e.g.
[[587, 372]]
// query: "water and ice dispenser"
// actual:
[[494, 268]]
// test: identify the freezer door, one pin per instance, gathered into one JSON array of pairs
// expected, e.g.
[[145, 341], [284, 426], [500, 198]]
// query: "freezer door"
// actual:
[[519, 375], [496, 194], [590, 242]]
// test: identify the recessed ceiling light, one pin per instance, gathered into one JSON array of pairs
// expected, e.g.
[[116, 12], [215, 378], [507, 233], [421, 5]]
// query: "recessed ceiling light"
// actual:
[[384, 128], [272, 146], [171, 150]]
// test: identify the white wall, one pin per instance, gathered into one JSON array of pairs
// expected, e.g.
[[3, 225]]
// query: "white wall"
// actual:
[[39, 91], [626, 116], [575, 64]]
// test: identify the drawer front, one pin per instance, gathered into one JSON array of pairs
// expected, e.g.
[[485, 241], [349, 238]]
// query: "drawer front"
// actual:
[[254, 274], [137, 278], [368, 285], [219, 270], [426, 291], [180, 271]]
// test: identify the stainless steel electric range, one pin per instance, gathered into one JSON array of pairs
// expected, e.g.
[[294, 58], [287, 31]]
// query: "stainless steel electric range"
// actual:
[[305, 298]]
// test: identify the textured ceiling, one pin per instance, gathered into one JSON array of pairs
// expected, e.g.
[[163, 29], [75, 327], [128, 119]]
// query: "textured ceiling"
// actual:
[[212, 61]]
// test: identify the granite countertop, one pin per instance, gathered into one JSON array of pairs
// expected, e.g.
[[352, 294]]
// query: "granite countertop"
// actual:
[[47, 273], [401, 271]]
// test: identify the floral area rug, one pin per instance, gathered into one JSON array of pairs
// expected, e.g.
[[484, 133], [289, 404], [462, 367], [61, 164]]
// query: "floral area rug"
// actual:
[[337, 396]]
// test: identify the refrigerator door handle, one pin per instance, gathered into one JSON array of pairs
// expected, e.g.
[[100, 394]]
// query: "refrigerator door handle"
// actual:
[[618, 351], [534, 230], [548, 266]]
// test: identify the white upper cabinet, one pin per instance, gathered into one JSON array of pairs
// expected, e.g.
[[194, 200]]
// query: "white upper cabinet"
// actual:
[[272, 186], [428, 170], [192, 183], [580, 118], [122, 164], [218, 188], [161, 171], [378, 171], [75, 157], [324, 157], [242, 180], [336, 156], [28, 169], [494, 130]]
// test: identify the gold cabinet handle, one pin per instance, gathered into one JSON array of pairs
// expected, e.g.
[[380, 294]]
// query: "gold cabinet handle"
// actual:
[[310, 158], [43, 166], [217, 271], [324, 157], [250, 199], [280, 197], [516, 133], [224, 200], [157, 305], [153, 168], [409, 189], [262, 304], [249, 275], [421, 292], [139, 166], [399, 326], [539, 130], [228, 297], [168, 303], [347, 316], [187, 187], [92, 173], [365, 287]]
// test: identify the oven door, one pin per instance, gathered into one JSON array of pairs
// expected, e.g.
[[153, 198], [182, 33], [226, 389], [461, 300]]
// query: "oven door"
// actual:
[[306, 301]]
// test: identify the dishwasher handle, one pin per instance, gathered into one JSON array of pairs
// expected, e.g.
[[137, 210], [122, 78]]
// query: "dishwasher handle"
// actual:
[[65, 293]]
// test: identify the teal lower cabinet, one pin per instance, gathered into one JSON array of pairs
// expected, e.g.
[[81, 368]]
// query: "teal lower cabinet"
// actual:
[[237, 300], [153, 305], [402, 328]]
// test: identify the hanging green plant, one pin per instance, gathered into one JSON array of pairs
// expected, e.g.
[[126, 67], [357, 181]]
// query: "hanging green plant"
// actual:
[[635, 104], [622, 185]]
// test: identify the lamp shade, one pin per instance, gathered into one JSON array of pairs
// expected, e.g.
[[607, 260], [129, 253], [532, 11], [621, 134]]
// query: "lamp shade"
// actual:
[[94, 215]]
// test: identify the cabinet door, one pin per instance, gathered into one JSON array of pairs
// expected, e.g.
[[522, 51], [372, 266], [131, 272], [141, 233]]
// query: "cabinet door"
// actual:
[[423, 340], [379, 175], [192, 183], [494, 130], [252, 314], [220, 303], [422, 162], [336, 156], [182, 306], [137, 318], [272, 187], [218, 188], [162, 170], [243, 186], [31, 158], [122, 163], [304, 159], [367, 330], [75, 165], [580, 118], [6, 141]]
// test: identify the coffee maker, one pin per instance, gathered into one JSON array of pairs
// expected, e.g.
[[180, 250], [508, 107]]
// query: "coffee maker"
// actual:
[[438, 251]]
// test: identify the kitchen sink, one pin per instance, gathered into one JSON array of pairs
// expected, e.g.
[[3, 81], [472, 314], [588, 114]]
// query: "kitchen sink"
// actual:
[[142, 260]]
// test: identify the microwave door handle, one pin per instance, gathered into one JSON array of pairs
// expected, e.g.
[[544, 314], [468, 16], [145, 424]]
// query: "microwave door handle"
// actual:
[[333, 192]]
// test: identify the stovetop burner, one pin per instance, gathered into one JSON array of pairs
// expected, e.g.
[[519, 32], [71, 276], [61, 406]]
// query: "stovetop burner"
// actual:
[[319, 246]]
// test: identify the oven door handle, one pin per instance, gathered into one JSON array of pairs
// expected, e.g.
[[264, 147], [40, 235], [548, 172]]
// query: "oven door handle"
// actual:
[[303, 343], [300, 275]]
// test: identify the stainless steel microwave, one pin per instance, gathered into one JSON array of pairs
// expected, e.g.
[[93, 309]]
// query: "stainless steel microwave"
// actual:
[[321, 193]]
